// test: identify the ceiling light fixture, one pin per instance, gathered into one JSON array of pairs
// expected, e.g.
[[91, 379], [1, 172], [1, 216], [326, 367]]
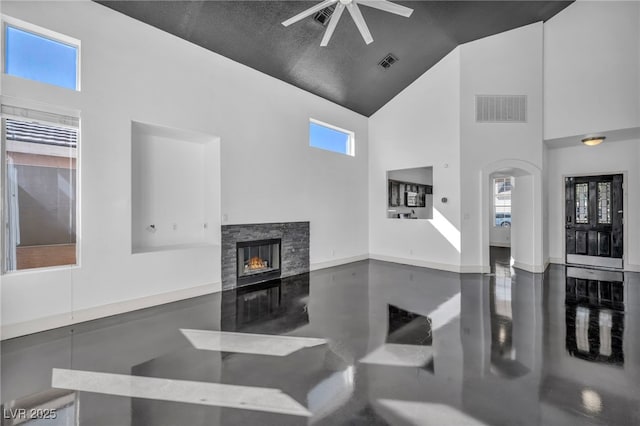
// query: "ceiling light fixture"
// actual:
[[593, 141], [354, 10]]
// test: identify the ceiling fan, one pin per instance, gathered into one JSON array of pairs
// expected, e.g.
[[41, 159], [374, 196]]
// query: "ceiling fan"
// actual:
[[352, 6]]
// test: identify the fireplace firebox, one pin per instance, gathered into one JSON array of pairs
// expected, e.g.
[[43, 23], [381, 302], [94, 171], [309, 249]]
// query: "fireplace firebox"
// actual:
[[258, 260]]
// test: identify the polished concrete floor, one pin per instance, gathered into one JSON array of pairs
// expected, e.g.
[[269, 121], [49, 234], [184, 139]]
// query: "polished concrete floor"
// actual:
[[368, 343]]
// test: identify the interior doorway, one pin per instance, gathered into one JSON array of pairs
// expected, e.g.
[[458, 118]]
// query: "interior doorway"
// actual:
[[500, 218], [594, 220], [526, 217]]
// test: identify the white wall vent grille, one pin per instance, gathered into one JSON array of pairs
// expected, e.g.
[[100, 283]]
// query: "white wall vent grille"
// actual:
[[501, 108]]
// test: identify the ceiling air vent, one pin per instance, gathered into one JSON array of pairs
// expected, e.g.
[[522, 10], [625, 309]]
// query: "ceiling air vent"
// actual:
[[323, 16], [501, 108], [387, 61]]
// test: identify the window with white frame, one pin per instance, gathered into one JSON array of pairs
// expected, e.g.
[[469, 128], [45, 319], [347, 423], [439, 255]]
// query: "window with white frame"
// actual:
[[39, 54], [502, 201], [331, 138], [40, 154]]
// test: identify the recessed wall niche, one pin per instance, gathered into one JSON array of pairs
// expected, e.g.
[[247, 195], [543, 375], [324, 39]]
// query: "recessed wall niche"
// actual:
[[410, 193], [175, 188]]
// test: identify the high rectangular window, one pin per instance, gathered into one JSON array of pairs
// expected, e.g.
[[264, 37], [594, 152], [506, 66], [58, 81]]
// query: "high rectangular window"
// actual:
[[331, 138], [40, 200], [36, 56]]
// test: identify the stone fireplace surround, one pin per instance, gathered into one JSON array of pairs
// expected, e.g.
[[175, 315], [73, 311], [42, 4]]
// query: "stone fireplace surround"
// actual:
[[294, 247]]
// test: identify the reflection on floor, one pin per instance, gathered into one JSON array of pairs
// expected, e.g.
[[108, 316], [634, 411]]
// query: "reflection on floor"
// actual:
[[369, 343], [595, 315], [505, 359], [248, 343], [408, 328], [202, 393]]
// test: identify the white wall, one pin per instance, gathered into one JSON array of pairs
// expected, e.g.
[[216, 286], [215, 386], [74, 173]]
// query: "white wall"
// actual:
[[592, 68], [604, 35], [592, 86], [545, 201], [499, 236], [607, 158], [175, 189], [131, 71], [419, 127], [509, 63], [522, 219]]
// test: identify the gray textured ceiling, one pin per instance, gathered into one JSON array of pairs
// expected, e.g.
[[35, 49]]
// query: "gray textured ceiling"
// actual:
[[346, 72]]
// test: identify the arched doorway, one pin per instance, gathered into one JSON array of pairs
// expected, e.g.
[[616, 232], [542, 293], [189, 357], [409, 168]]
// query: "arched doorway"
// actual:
[[527, 213]]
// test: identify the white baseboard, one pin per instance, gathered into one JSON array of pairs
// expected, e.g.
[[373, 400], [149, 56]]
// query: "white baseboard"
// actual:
[[632, 268], [556, 260], [483, 269], [10, 331], [337, 262], [426, 264], [536, 269]]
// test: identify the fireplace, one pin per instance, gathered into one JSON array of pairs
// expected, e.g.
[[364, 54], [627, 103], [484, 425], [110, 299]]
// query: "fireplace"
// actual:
[[289, 257], [258, 260]]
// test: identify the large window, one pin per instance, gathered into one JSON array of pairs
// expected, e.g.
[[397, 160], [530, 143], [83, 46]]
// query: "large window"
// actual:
[[331, 138], [41, 55], [40, 201], [502, 201]]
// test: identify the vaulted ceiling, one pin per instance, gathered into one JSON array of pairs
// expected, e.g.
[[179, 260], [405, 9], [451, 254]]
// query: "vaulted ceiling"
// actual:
[[346, 71]]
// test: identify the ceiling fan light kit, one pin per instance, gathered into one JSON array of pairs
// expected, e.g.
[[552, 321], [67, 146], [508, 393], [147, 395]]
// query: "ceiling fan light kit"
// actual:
[[354, 11]]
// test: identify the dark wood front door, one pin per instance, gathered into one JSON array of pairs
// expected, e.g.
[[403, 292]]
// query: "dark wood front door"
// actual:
[[593, 220]]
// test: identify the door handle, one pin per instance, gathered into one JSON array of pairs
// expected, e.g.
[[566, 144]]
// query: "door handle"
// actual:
[[619, 211]]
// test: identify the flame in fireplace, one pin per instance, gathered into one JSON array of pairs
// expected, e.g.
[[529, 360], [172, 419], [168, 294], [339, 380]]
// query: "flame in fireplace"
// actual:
[[256, 263]]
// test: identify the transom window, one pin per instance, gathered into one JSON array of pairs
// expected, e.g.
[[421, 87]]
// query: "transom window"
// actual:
[[331, 138], [38, 54]]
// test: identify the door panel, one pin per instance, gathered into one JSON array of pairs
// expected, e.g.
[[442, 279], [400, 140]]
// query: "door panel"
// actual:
[[593, 220], [604, 244], [581, 242]]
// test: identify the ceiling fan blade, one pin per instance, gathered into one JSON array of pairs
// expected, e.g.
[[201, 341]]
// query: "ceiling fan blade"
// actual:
[[308, 12], [360, 23], [387, 6], [335, 17]]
